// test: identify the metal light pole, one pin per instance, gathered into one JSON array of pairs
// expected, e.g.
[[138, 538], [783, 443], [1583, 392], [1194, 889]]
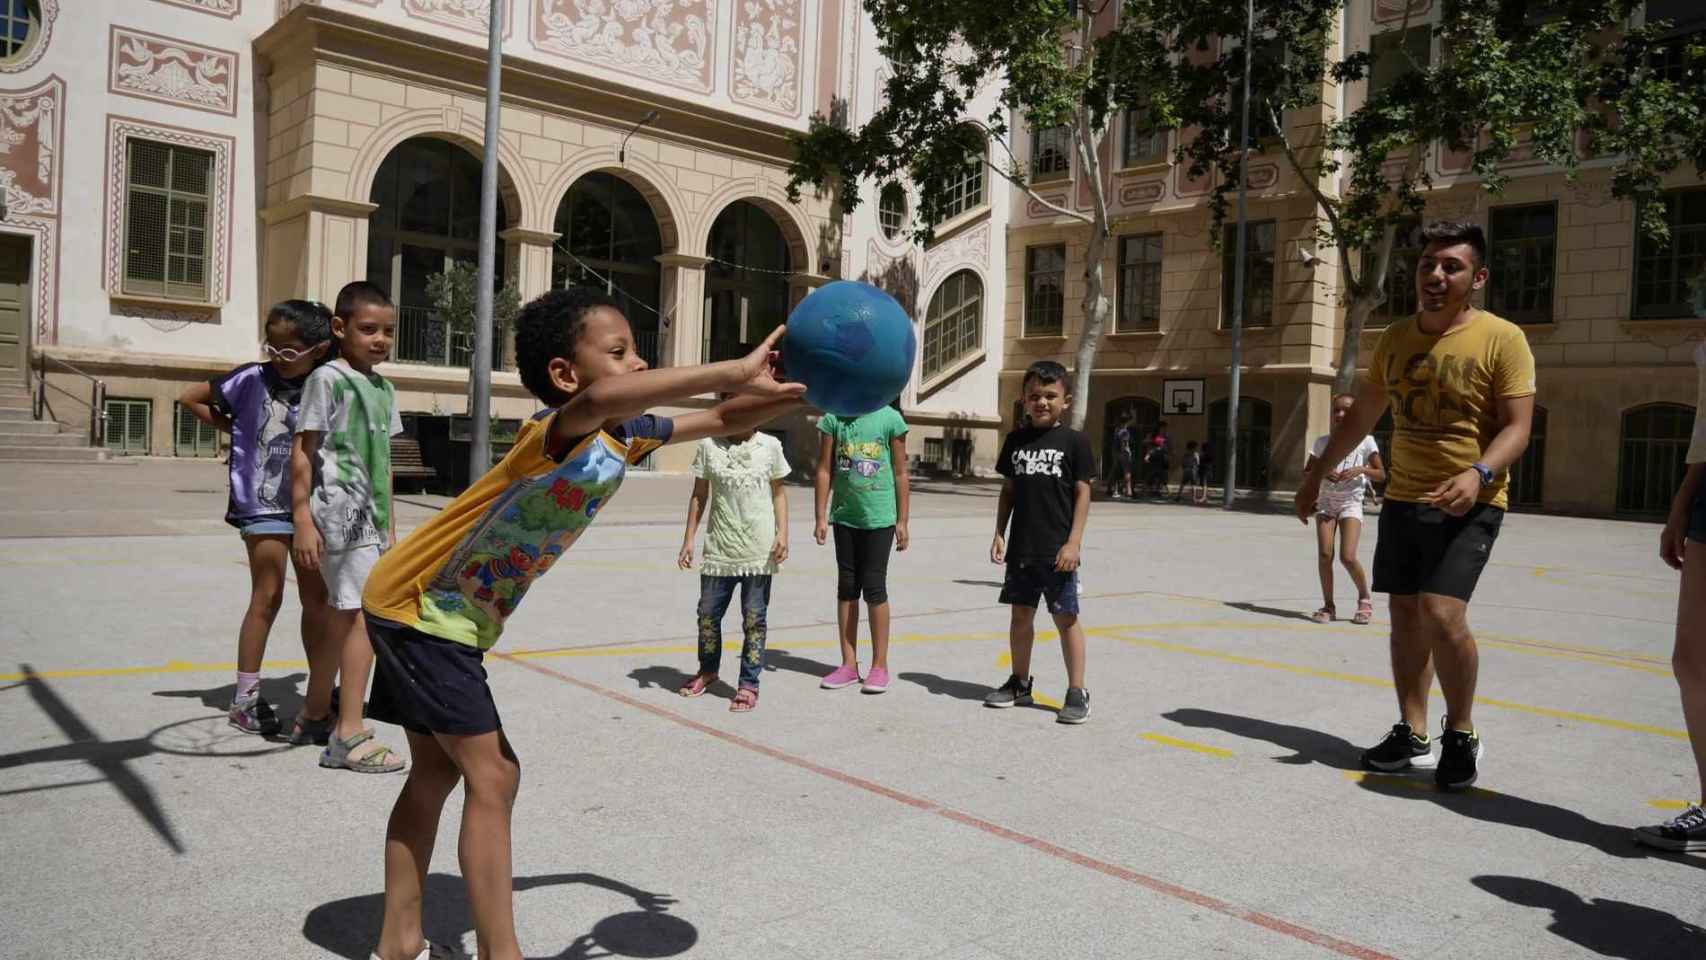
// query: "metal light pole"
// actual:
[[1229, 484], [610, 207], [480, 398]]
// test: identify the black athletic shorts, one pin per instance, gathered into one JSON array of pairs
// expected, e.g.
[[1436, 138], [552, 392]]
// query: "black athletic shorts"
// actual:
[[1423, 549], [862, 563], [427, 685]]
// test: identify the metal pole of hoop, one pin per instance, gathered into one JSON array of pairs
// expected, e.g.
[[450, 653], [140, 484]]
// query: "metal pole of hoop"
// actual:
[[480, 367]]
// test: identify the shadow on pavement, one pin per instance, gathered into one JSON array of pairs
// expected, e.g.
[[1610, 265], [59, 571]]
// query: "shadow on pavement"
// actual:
[[670, 679], [943, 687], [779, 659], [278, 691], [1488, 806], [1271, 611], [1610, 928], [981, 583], [350, 927]]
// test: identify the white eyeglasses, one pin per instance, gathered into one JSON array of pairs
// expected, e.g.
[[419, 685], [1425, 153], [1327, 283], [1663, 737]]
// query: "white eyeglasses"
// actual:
[[288, 355]]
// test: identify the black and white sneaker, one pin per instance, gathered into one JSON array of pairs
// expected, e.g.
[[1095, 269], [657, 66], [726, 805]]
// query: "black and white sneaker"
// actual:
[[1402, 749], [1076, 709], [1685, 832], [1458, 752], [1011, 694]]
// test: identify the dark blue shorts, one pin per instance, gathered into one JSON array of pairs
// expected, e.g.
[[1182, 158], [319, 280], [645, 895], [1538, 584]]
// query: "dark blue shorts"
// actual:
[[427, 685], [1030, 580]]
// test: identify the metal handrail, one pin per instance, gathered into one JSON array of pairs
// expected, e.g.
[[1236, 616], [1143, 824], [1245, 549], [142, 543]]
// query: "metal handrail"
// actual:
[[97, 397]]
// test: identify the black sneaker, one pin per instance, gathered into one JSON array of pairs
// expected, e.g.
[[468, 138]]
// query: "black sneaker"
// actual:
[[1685, 832], [1012, 694], [1076, 709], [1458, 752], [1403, 749]]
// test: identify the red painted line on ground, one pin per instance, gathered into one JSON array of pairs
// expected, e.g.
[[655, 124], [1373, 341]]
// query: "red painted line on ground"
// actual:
[[1343, 948]]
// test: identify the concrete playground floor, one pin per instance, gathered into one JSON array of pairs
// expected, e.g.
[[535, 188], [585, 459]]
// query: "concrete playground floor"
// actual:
[[1212, 806]]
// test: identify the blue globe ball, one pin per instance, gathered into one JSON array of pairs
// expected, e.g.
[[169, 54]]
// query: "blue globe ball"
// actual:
[[852, 346]]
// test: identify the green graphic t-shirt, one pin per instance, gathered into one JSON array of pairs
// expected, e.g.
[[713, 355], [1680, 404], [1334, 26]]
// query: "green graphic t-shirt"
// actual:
[[356, 415], [862, 491]]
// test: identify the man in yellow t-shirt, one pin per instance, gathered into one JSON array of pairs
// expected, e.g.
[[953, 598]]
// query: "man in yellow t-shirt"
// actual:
[[1460, 384]]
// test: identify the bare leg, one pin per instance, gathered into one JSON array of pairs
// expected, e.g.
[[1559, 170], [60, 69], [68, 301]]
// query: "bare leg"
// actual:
[[1689, 660], [348, 629], [1455, 656], [847, 619], [1021, 636], [266, 593], [1350, 539], [1412, 660], [1324, 556], [322, 649], [409, 838], [1071, 646], [491, 775], [879, 633]]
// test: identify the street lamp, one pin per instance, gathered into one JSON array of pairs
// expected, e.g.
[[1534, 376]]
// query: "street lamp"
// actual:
[[610, 207]]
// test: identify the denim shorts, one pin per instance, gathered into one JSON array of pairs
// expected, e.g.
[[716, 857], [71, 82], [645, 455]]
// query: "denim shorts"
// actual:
[[264, 527], [1031, 580]]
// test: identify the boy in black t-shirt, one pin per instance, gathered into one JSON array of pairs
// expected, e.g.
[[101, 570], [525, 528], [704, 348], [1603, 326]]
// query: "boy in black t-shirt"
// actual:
[[1049, 470]]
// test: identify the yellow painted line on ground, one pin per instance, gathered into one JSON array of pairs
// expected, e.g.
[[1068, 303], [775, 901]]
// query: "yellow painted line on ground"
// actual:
[[1668, 804], [1410, 782], [1603, 660], [1049, 702], [1167, 741], [1365, 681]]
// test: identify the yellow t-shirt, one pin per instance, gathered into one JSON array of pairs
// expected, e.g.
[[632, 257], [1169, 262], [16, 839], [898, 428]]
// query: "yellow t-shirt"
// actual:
[[460, 575], [1442, 388]]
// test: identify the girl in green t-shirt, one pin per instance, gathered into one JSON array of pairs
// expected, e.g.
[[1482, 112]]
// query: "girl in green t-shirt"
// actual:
[[746, 540]]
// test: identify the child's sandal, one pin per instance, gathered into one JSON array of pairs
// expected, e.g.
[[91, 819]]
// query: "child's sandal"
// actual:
[[697, 686], [1365, 612], [746, 698], [1323, 615], [360, 753]]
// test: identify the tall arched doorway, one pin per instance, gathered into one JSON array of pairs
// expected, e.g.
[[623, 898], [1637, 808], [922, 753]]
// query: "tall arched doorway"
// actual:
[[428, 193], [1654, 456], [746, 282], [1255, 425], [610, 240], [1145, 413]]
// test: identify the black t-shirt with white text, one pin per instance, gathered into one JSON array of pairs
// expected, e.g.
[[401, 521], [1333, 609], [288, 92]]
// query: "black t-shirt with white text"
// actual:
[[1045, 466]]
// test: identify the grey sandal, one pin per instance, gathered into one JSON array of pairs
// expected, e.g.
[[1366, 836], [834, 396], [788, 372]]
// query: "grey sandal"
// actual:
[[360, 753]]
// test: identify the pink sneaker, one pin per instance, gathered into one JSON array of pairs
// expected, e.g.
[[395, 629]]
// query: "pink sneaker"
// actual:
[[843, 676], [876, 681]]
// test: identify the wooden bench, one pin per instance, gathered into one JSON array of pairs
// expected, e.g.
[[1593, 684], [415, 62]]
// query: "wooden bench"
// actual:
[[406, 462]]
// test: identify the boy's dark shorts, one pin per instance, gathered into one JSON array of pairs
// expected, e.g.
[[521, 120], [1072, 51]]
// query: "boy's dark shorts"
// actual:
[[1029, 580], [427, 685], [1423, 549]]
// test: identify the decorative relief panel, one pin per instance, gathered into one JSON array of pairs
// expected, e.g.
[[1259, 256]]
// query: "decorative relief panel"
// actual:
[[1388, 11], [765, 69], [49, 13], [163, 319], [472, 16], [1035, 209], [1138, 192], [120, 131], [1263, 176], [219, 8], [153, 67], [31, 134], [969, 248], [668, 41]]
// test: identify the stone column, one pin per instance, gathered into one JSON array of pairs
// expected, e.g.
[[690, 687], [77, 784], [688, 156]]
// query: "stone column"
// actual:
[[682, 291], [527, 267], [314, 245], [800, 284]]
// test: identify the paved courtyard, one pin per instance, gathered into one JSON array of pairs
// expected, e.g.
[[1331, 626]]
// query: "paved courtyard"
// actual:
[[1212, 807]]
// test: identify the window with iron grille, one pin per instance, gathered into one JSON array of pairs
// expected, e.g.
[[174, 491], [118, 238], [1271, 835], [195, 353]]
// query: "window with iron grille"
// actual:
[[1397, 54], [1265, 57], [190, 436], [1400, 274], [1686, 18], [966, 193], [1528, 473], [1258, 275], [891, 209], [1522, 254], [1051, 152], [129, 424], [1045, 291], [1667, 275], [1142, 146], [166, 220], [935, 451], [1140, 284], [1654, 456], [953, 325], [20, 27]]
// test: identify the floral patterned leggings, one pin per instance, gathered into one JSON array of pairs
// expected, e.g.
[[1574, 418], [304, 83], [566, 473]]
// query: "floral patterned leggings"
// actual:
[[715, 594]]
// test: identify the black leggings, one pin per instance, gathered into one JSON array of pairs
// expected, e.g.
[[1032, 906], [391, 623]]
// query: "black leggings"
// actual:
[[862, 563]]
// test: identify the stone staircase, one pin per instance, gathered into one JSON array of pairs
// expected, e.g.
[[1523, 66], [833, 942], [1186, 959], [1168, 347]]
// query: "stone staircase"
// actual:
[[22, 437]]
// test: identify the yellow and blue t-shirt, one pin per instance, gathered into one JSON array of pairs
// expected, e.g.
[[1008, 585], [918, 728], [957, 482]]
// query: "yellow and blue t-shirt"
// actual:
[[461, 574]]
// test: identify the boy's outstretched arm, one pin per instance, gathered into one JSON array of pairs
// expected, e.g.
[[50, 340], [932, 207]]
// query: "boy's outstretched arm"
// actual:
[[198, 400], [736, 415], [619, 398]]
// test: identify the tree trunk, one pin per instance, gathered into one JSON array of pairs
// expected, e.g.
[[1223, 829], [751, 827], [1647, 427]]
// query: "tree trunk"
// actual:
[[1096, 309], [1356, 316]]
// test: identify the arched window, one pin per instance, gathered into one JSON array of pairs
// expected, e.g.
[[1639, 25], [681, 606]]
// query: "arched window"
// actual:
[[1255, 418], [611, 241], [1654, 454], [20, 28], [1528, 473], [746, 284], [1145, 414], [953, 326], [966, 192], [428, 193], [891, 209]]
